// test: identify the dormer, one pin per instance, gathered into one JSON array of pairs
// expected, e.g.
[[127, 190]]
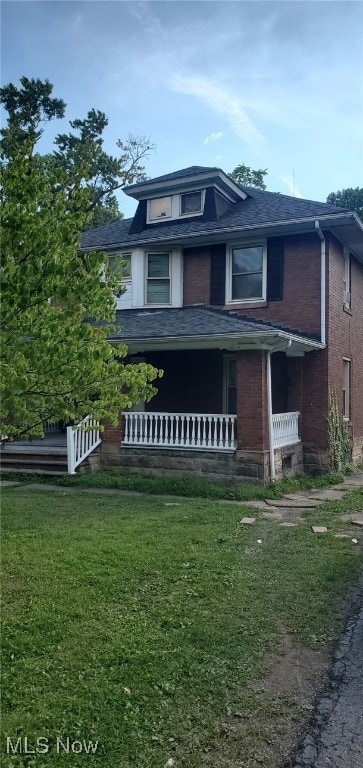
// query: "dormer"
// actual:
[[191, 194]]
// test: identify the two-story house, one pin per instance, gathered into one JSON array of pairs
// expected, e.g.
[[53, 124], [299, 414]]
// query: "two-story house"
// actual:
[[252, 304]]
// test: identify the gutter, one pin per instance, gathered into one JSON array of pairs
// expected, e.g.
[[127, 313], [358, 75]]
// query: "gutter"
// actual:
[[322, 282], [221, 337], [181, 237]]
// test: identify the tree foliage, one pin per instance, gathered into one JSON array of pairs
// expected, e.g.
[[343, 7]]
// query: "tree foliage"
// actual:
[[351, 198], [79, 151], [57, 363], [247, 177]]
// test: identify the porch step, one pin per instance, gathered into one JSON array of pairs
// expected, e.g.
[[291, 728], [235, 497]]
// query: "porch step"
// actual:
[[37, 463]]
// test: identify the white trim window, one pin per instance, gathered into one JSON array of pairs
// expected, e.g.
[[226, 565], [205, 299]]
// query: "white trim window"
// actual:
[[160, 208], [158, 284], [346, 389], [180, 206], [346, 296], [247, 272], [191, 203]]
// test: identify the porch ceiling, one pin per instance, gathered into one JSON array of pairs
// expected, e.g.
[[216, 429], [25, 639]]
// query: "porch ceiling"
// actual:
[[205, 328]]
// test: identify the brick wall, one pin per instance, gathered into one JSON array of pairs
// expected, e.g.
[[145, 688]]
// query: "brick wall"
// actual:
[[114, 434], [300, 306], [345, 333], [197, 267]]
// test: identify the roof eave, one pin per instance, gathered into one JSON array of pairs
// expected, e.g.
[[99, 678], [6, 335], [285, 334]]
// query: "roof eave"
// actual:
[[269, 339]]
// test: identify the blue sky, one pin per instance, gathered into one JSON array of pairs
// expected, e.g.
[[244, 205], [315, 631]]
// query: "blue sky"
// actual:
[[274, 85]]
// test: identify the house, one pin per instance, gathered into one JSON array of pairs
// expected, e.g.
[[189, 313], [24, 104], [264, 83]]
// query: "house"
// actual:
[[252, 304]]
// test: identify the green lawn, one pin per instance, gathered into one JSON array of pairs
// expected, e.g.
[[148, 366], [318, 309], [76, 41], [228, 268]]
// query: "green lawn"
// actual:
[[142, 625]]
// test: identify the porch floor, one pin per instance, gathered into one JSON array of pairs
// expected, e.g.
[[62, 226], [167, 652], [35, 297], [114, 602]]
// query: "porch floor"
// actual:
[[52, 442]]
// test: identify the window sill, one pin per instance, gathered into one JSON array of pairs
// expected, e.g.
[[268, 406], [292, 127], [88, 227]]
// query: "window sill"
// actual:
[[347, 309], [245, 304]]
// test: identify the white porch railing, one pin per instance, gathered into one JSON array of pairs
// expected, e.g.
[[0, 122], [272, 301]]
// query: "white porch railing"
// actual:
[[210, 432], [82, 439], [285, 428]]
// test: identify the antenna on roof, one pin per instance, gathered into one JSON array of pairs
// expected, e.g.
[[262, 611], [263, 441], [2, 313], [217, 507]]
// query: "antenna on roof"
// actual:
[[293, 183]]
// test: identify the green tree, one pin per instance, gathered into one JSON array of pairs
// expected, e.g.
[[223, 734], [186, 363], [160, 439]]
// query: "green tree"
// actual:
[[80, 151], [57, 363], [247, 177], [348, 198]]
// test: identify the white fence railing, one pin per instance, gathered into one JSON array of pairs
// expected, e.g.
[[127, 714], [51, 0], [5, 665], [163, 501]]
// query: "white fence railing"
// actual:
[[82, 439], [181, 430], [285, 428]]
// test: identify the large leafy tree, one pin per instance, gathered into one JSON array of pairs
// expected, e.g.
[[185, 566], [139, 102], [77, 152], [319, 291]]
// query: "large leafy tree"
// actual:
[[80, 151], [57, 363], [351, 198], [247, 177]]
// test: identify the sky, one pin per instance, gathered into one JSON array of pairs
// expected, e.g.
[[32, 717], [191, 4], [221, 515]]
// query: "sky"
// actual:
[[273, 85]]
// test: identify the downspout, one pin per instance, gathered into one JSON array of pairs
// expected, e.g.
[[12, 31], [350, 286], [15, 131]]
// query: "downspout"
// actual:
[[322, 283], [269, 408]]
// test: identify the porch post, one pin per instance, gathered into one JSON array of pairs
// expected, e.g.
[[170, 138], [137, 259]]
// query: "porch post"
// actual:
[[111, 440], [252, 411]]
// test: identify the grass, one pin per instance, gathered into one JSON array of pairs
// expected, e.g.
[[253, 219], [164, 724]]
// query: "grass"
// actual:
[[143, 625], [197, 487]]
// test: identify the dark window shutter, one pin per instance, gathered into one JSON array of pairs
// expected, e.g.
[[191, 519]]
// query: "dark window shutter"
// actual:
[[139, 221], [275, 268], [218, 275]]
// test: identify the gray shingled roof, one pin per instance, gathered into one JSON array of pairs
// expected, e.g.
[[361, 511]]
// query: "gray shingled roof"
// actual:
[[259, 208], [190, 321], [193, 170]]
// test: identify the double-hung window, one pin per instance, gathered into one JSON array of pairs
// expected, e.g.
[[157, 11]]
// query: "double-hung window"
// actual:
[[158, 278], [346, 389], [346, 278], [247, 273]]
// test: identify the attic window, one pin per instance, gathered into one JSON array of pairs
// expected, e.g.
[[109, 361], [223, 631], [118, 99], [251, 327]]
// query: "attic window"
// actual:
[[160, 208], [190, 202]]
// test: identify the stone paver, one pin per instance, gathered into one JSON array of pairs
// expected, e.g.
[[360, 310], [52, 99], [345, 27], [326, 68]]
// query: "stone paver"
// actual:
[[248, 520], [349, 484], [319, 529], [286, 524], [295, 503], [326, 494], [273, 515]]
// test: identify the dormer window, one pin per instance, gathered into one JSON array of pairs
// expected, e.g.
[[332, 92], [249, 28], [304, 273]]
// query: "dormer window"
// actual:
[[178, 206], [190, 203], [160, 208]]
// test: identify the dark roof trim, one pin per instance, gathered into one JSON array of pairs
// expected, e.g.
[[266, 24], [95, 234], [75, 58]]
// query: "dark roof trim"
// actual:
[[176, 184]]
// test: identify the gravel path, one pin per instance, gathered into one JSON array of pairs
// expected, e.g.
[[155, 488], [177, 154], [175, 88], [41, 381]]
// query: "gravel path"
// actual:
[[336, 737]]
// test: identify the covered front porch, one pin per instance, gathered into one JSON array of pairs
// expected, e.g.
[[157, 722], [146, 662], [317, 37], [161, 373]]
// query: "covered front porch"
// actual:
[[229, 404]]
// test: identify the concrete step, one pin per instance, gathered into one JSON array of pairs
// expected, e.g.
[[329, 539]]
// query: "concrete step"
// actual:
[[34, 471], [43, 463]]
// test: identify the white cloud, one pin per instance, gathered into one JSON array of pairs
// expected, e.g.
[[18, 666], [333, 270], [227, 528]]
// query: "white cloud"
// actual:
[[223, 102], [213, 137], [291, 185]]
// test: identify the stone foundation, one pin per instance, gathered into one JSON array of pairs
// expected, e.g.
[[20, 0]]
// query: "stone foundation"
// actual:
[[357, 457], [316, 459], [238, 467]]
